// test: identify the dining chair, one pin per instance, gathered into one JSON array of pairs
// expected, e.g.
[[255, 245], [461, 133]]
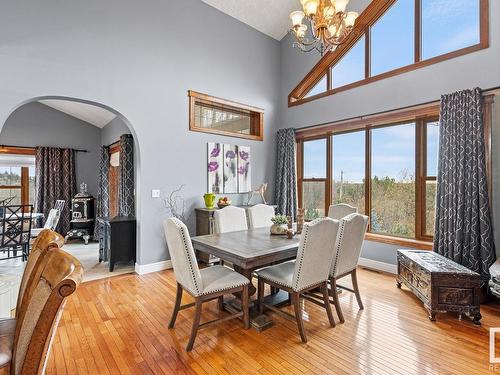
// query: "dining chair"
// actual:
[[16, 228], [230, 219], [338, 211], [347, 252], [309, 271], [26, 342], [51, 222], [204, 285], [260, 215]]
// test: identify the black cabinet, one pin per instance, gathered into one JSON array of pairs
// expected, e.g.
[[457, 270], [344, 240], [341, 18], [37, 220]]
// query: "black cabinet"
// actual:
[[118, 239]]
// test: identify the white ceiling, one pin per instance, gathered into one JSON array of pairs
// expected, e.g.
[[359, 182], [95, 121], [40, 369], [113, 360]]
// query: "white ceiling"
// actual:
[[92, 114], [268, 16]]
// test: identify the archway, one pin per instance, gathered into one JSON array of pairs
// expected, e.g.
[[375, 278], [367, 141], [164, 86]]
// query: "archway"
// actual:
[[35, 122]]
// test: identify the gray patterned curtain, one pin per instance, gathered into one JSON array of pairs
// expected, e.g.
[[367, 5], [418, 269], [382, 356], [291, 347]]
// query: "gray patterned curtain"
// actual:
[[55, 179], [285, 186], [126, 206], [102, 204], [463, 230]]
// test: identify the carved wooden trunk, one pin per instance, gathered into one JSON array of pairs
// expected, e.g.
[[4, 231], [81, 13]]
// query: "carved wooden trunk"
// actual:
[[441, 284]]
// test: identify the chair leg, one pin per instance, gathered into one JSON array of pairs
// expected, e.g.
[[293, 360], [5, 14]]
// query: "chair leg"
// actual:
[[335, 296], [220, 303], [260, 295], [326, 301], [178, 299], [244, 306], [196, 323], [354, 277], [298, 315]]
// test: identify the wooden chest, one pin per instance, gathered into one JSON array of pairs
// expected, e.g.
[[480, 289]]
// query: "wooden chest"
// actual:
[[441, 284]]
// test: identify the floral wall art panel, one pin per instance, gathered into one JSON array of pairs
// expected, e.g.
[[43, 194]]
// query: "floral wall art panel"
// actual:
[[230, 169], [214, 167], [244, 169]]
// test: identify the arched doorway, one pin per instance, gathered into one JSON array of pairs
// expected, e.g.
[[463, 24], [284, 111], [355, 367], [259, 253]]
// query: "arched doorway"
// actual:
[[86, 127]]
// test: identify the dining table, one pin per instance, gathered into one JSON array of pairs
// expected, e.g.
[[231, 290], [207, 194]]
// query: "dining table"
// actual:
[[247, 251]]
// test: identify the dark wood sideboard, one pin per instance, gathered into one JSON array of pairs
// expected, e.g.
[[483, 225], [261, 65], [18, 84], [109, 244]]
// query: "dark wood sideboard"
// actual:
[[119, 239], [440, 283]]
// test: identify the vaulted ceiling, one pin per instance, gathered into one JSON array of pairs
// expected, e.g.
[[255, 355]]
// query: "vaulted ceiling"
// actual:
[[92, 114]]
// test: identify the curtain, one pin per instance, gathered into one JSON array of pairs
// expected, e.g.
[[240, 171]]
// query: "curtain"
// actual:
[[126, 206], [463, 229], [285, 187], [102, 203], [55, 179]]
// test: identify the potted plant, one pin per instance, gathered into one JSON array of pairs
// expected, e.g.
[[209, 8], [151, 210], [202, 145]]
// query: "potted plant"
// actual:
[[280, 224]]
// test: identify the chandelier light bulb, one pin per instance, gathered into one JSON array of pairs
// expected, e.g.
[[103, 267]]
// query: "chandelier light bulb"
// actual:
[[340, 5], [301, 31], [311, 7], [332, 29], [350, 18], [297, 18]]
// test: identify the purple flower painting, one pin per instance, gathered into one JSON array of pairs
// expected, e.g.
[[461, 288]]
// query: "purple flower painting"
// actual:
[[214, 168], [230, 154], [230, 169], [244, 169]]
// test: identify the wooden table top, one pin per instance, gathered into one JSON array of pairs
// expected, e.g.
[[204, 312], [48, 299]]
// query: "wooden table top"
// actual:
[[248, 249]]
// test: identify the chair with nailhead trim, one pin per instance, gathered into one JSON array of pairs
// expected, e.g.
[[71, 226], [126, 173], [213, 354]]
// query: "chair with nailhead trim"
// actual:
[[308, 272], [204, 285], [341, 210], [230, 219]]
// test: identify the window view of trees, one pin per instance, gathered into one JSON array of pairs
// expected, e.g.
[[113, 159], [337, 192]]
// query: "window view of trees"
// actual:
[[432, 130], [314, 199], [348, 164], [314, 178], [11, 184]]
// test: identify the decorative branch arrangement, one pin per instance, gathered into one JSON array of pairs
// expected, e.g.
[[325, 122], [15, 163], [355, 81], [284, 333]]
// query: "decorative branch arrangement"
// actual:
[[176, 204]]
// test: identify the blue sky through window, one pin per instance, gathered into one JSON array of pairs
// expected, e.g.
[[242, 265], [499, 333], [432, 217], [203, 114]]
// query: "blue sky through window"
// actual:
[[315, 159], [349, 156], [318, 88], [448, 25], [351, 67]]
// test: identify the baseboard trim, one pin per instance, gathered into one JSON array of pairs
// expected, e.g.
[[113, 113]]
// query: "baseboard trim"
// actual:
[[143, 269], [378, 266]]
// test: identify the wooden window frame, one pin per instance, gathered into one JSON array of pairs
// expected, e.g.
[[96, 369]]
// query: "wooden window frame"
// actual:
[[24, 187], [256, 115], [373, 12], [420, 116]]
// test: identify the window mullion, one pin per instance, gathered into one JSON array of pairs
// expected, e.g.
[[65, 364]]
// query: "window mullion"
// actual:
[[368, 146], [418, 30]]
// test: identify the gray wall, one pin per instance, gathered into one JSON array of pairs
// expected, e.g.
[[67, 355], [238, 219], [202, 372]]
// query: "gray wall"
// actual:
[[480, 69], [113, 130], [139, 58], [35, 124]]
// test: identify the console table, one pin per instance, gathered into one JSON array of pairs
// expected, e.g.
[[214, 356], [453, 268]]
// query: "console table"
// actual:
[[440, 283]]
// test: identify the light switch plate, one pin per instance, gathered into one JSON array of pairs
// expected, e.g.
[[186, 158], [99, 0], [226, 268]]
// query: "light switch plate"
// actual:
[[155, 193]]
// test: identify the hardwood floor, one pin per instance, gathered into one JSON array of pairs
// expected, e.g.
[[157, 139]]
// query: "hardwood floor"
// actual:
[[119, 326]]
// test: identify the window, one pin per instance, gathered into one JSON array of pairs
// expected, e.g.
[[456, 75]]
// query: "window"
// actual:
[[348, 162], [17, 177], [314, 178], [318, 88], [351, 67], [430, 176], [392, 38], [449, 25], [213, 115], [400, 35], [393, 180]]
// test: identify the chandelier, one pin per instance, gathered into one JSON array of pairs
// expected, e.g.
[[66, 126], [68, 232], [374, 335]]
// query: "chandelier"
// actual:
[[329, 25]]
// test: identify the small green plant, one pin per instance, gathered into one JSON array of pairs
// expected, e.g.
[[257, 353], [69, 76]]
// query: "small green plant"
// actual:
[[279, 219]]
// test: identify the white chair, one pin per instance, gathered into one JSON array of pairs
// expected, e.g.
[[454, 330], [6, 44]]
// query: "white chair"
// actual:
[[50, 223], [205, 284], [309, 271], [230, 219], [259, 216], [338, 211], [347, 252]]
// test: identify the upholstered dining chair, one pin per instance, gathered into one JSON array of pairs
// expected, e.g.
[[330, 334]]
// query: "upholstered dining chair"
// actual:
[[347, 252], [259, 216], [50, 223], [338, 211], [230, 219], [309, 271], [205, 284], [26, 341]]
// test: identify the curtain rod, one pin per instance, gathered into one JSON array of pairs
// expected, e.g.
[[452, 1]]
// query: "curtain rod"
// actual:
[[32, 148], [485, 92]]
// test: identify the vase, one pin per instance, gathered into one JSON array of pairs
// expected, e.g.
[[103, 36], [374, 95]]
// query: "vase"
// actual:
[[209, 200], [279, 228]]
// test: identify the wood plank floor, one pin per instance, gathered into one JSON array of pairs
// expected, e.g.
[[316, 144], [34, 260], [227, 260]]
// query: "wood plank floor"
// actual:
[[119, 326]]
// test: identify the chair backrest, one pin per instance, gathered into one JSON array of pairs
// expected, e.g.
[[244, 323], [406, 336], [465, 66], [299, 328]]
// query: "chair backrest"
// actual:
[[16, 230], [338, 211], [44, 242], [183, 257], [315, 254], [230, 219], [52, 219], [60, 205], [260, 215], [349, 243], [61, 275]]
